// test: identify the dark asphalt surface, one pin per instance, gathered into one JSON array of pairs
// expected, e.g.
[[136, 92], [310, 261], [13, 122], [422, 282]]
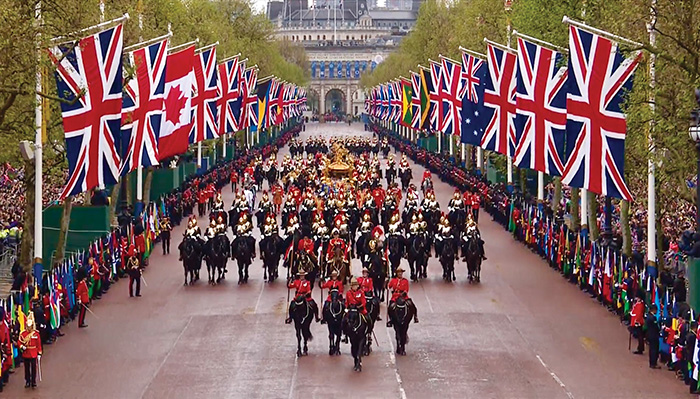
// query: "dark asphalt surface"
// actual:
[[522, 333]]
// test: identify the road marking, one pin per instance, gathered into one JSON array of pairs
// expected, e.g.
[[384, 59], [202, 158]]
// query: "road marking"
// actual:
[[257, 303], [554, 376], [430, 304], [165, 359], [392, 358], [294, 378]]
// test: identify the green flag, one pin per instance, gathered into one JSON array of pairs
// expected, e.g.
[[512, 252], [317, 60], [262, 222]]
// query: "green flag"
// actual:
[[406, 94]]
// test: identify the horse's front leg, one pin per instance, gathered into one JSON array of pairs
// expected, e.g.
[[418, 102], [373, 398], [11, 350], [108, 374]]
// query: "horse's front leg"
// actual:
[[298, 342]]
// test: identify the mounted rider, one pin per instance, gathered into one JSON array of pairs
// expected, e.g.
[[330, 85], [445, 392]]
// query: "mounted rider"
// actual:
[[332, 284], [375, 245], [320, 232], [192, 229], [473, 230], [244, 226], [355, 298], [303, 291], [367, 286], [264, 207], [399, 288], [218, 205], [444, 233]]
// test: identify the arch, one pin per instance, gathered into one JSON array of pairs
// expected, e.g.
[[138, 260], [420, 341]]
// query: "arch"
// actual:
[[335, 101], [304, 37]]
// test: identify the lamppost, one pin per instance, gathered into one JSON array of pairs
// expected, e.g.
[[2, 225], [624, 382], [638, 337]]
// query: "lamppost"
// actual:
[[694, 133]]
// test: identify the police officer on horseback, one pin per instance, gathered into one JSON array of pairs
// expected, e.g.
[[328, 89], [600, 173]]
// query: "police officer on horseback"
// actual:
[[332, 284], [399, 288], [303, 291]]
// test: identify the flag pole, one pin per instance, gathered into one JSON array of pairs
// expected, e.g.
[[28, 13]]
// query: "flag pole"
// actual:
[[207, 47], [179, 46], [540, 42], [38, 151], [601, 32], [651, 167], [66, 38], [473, 53], [146, 43], [230, 58]]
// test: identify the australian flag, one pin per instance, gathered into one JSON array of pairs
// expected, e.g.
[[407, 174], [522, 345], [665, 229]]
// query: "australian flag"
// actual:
[[473, 74]]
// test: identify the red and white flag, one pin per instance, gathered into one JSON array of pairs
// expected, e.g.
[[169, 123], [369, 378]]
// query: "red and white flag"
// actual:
[[176, 126]]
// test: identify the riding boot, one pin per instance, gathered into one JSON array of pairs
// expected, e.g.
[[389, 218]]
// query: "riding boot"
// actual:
[[314, 307]]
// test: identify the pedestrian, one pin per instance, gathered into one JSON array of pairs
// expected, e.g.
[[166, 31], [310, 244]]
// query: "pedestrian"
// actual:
[[30, 343], [83, 300], [653, 333], [690, 341], [134, 269]]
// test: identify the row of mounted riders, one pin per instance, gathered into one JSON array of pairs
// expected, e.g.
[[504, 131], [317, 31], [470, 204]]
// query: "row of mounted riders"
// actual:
[[379, 256]]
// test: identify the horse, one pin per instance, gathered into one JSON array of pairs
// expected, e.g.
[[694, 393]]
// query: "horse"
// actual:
[[302, 316], [406, 176], [218, 249], [447, 255], [333, 316], [338, 263], [373, 314], [272, 175], [243, 251], [385, 151], [472, 254], [390, 175], [457, 218], [271, 249], [401, 315], [190, 253], [377, 272], [396, 245], [356, 328], [418, 256], [303, 261]]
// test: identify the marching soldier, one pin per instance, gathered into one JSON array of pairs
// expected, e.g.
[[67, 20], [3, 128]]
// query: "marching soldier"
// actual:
[[83, 297], [30, 343], [165, 229], [399, 288], [134, 269]]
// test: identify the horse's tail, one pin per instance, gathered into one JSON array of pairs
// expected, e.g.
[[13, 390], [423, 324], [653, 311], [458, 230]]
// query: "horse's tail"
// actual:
[[306, 332]]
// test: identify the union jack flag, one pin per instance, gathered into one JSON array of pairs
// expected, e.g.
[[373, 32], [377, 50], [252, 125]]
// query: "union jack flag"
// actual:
[[395, 101], [472, 95], [416, 86], [596, 126], [386, 102], [142, 106], [91, 72], [204, 109], [540, 122], [451, 101], [499, 100], [229, 104], [434, 96], [250, 107]]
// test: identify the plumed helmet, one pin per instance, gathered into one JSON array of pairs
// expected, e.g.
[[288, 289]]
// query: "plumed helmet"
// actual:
[[377, 232]]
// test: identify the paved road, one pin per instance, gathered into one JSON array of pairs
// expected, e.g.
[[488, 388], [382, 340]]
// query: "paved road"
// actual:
[[523, 333]]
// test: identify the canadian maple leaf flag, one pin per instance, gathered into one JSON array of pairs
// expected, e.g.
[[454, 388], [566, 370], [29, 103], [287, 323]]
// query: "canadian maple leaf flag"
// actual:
[[177, 122]]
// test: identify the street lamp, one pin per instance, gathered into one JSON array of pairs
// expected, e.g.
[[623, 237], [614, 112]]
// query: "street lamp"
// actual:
[[694, 133]]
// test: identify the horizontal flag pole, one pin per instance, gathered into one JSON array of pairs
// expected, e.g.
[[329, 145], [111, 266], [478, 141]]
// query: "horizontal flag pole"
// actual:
[[207, 47], [59, 39], [601, 32], [473, 53], [265, 79], [499, 46], [449, 59], [433, 62], [180, 46], [148, 42], [540, 42], [230, 58]]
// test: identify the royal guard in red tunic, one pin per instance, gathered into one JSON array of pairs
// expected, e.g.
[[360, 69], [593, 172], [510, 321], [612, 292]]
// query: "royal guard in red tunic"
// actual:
[[201, 201], [234, 180], [83, 297], [332, 285], [476, 204], [467, 198], [295, 194], [399, 288], [30, 343], [302, 289], [5, 347], [355, 298], [637, 323], [379, 195]]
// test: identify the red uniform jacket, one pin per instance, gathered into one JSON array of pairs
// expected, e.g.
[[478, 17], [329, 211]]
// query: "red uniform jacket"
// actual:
[[333, 243], [302, 287], [82, 292], [202, 196], [366, 284], [398, 286], [637, 314], [140, 242], [476, 201], [332, 285], [5, 339], [356, 298], [306, 244], [30, 343]]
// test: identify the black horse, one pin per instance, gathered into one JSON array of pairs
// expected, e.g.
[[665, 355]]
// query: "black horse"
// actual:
[[271, 249], [377, 271], [472, 255], [401, 315], [302, 315], [243, 251], [272, 175], [418, 256], [357, 327], [406, 176], [333, 316], [397, 248], [191, 255], [457, 218], [390, 175], [447, 254], [217, 254]]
